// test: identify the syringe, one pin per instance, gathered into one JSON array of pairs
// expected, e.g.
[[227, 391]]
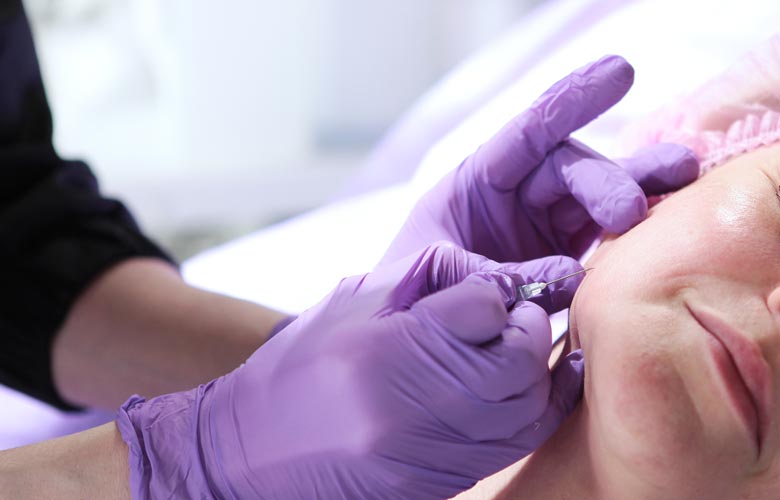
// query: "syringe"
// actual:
[[525, 292]]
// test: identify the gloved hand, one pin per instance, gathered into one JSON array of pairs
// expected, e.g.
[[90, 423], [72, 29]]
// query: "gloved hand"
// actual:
[[412, 382], [531, 192]]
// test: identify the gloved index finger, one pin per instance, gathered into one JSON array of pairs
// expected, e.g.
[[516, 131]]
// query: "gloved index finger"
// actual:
[[568, 105], [610, 195]]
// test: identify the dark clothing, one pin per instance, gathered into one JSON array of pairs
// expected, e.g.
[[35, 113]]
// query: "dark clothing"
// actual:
[[57, 233]]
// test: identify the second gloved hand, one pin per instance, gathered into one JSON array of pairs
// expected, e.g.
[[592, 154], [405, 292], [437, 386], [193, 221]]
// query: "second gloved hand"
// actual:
[[530, 191], [412, 382]]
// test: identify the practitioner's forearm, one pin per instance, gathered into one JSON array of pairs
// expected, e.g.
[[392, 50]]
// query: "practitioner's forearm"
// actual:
[[90, 464], [140, 329]]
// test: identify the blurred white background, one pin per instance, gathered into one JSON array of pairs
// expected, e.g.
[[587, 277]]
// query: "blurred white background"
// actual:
[[211, 119]]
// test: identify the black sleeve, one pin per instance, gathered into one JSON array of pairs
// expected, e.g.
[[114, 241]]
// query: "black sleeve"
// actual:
[[57, 233]]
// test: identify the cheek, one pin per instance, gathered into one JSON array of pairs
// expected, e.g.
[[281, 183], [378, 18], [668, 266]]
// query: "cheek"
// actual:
[[728, 238], [667, 253], [643, 417], [647, 419], [639, 399]]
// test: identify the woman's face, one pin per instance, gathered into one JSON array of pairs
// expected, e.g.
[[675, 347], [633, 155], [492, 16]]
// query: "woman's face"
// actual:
[[680, 325]]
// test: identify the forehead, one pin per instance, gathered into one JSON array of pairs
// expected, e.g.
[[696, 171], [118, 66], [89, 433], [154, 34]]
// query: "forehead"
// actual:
[[749, 183], [765, 160]]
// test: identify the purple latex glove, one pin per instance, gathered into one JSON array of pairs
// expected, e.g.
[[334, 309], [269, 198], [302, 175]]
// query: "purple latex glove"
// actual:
[[412, 382], [531, 192]]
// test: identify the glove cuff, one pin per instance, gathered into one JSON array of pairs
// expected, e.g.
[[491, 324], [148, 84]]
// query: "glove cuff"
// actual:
[[164, 452], [281, 325], [137, 461]]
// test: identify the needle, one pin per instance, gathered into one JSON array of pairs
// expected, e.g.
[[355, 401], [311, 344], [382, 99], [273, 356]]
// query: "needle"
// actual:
[[530, 290]]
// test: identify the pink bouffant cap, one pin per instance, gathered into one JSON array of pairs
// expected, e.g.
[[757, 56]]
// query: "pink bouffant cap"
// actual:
[[734, 113]]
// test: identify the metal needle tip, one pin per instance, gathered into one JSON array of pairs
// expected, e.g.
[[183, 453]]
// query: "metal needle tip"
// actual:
[[570, 275]]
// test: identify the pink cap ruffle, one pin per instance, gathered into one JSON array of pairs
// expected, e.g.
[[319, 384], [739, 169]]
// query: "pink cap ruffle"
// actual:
[[734, 113]]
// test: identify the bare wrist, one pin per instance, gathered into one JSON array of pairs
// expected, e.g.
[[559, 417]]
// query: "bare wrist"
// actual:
[[89, 464]]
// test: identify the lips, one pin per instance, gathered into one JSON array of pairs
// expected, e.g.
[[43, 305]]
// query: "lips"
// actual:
[[744, 369]]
